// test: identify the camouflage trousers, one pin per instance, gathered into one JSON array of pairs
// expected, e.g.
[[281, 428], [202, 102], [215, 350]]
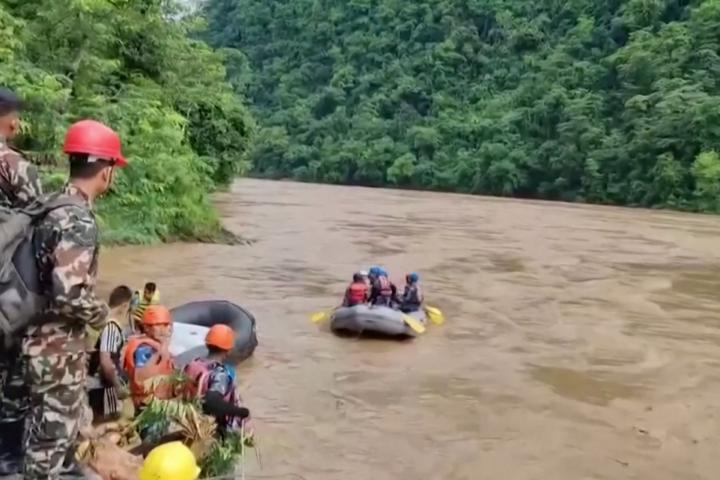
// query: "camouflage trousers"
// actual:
[[14, 392], [57, 386]]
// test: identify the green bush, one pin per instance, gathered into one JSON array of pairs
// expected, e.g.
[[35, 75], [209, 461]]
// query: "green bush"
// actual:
[[135, 66]]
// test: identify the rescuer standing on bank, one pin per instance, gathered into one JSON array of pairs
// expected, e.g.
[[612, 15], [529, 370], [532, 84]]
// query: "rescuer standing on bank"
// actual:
[[19, 186], [54, 347]]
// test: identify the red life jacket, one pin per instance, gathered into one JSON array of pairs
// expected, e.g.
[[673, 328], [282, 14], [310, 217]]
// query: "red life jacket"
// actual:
[[198, 375], [384, 286], [356, 292]]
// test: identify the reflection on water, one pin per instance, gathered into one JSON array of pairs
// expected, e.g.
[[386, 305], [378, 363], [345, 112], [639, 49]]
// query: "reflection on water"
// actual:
[[580, 342]]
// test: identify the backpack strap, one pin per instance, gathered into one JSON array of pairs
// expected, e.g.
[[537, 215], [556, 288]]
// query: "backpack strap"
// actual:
[[47, 203]]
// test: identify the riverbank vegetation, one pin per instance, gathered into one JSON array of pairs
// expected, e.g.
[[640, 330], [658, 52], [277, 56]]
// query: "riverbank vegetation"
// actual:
[[135, 65], [614, 102]]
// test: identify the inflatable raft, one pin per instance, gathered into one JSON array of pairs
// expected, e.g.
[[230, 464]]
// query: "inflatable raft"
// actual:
[[373, 319], [192, 321]]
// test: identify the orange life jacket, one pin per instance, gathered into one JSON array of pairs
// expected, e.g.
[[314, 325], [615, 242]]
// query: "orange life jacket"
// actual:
[[138, 392], [356, 293]]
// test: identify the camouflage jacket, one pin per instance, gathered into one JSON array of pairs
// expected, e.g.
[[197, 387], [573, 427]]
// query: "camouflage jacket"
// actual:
[[19, 182], [67, 245]]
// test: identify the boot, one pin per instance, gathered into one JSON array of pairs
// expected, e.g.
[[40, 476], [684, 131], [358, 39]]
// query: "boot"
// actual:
[[12, 447]]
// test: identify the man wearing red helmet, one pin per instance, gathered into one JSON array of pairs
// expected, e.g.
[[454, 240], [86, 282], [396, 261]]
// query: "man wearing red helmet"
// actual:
[[66, 240]]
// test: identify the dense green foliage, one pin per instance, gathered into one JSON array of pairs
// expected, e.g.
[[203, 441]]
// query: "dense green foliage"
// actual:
[[133, 65], [613, 101]]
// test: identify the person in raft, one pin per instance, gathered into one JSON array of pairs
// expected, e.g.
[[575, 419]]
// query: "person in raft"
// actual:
[[357, 292], [141, 301], [146, 356], [412, 298], [213, 381], [383, 292]]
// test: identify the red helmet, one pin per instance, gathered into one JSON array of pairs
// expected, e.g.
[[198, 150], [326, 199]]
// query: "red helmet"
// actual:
[[90, 137]]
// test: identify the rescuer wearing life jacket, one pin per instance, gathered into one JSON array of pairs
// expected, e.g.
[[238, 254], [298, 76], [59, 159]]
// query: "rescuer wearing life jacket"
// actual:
[[142, 300], [372, 274], [150, 295], [212, 380], [412, 297], [383, 292], [146, 356], [357, 292], [371, 277]]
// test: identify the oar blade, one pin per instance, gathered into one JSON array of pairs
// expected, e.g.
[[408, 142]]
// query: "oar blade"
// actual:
[[435, 315], [318, 317], [414, 324]]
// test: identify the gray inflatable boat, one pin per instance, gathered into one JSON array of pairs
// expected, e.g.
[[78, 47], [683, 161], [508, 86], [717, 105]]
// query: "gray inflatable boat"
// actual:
[[193, 320], [373, 319]]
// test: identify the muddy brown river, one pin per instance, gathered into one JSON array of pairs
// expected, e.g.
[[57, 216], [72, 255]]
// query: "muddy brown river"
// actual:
[[580, 342]]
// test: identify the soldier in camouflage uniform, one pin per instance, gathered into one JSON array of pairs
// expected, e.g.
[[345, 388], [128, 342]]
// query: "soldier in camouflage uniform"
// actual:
[[54, 348], [19, 186]]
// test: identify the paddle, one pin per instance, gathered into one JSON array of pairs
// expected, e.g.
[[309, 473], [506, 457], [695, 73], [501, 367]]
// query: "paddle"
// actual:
[[435, 315], [318, 317], [414, 324]]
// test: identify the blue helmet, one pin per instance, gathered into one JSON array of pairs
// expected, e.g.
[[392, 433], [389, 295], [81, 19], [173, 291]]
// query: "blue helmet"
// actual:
[[412, 277], [382, 272], [374, 271]]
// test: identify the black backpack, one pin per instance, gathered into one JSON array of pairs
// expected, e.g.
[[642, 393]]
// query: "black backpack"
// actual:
[[21, 295]]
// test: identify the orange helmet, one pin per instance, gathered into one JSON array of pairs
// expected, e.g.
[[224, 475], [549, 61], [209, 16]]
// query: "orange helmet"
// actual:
[[156, 315], [90, 137], [220, 336]]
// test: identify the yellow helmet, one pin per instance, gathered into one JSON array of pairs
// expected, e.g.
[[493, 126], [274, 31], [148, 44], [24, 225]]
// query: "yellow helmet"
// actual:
[[170, 461]]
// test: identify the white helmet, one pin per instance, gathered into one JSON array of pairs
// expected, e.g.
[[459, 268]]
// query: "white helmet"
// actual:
[[364, 273]]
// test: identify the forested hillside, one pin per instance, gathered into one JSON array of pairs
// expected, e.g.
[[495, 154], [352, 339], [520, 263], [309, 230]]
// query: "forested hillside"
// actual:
[[132, 64], [612, 101]]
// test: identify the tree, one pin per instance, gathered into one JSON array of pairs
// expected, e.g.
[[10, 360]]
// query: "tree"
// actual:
[[605, 102], [135, 65]]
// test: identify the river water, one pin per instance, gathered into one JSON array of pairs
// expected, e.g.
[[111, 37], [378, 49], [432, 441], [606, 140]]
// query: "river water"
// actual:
[[580, 342]]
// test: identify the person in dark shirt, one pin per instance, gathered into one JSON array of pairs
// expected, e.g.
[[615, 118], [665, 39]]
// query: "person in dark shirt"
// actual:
[[412, 298]]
